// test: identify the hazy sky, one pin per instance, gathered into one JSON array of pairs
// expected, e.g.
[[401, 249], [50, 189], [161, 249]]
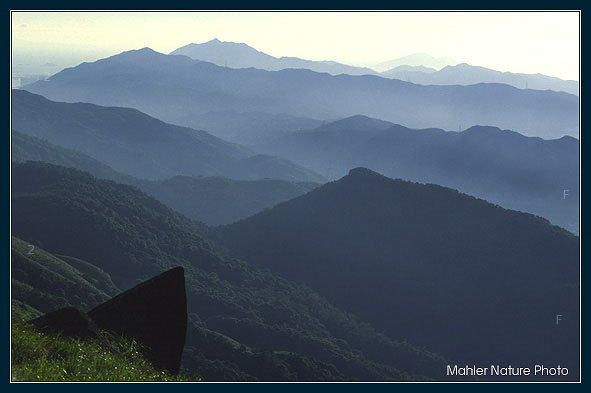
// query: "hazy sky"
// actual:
[[529, 42]]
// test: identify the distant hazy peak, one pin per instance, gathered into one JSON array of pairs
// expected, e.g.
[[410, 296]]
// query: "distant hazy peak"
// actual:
[[410, 68], [361, 122], [416, 59]]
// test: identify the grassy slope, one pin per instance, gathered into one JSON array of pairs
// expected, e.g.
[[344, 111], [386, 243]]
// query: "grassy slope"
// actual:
[[40, 357]]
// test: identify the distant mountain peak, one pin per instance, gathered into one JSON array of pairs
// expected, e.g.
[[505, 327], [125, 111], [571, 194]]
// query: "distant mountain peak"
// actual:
[[359, 122], [361, 172], [144, 50]]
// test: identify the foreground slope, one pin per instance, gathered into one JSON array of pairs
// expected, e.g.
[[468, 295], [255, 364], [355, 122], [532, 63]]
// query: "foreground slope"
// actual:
[[139, 145], [133, 237], [173, 88], [47, 282], [474, 281], [518, 172]]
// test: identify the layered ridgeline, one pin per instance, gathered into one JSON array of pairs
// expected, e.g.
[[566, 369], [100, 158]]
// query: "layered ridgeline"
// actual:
[[141, 146], [240, 55], [250, 128], [480, 284], [466, 74], [173, 88], [244, 322], [504, 167], [212, 200], [409, 68]]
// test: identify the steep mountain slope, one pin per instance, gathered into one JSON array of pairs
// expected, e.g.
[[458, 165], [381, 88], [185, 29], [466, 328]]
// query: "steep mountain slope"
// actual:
[[139, 145], [48, 282], [501, 166], [466, 74], [212, 200], [133, 237], [173, 88], [476, 282], [240, 55]]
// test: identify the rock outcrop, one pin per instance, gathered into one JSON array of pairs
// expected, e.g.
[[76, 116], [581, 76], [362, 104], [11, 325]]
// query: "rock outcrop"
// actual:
[[154, 313], [70, 322]]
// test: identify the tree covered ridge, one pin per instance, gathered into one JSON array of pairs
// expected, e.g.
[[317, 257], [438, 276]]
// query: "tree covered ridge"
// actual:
[[457, 274], [133, 237]]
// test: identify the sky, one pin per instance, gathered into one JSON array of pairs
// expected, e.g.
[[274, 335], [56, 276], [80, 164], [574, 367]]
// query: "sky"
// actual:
[[527, 42]]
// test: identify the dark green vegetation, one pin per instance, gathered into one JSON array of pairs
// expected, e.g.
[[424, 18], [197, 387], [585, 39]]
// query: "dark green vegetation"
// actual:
[[212, 200], [467, 279], [267, 327], [173, 88], [40, 357], [138, 145], [47, 282], [504, 167]]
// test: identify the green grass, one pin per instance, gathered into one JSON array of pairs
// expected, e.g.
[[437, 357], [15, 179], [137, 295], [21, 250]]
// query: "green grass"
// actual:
[[39, 357]]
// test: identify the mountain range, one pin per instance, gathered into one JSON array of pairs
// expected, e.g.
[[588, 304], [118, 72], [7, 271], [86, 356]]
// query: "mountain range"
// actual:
[[240, 55], [175, 88], [502, 166], [463, 277], [416, 60], [465, 74], [141, 146], [419, 68], [243, 320], [211, 200], [427, 247]]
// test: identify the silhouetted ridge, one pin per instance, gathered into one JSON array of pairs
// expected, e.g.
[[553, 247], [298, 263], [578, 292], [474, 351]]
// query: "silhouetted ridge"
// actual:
[[442, 269], [361, 173], [501, 166]]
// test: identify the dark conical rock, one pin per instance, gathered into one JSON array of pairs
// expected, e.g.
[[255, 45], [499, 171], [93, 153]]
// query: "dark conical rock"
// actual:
[[70, 322], [154, 313]]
